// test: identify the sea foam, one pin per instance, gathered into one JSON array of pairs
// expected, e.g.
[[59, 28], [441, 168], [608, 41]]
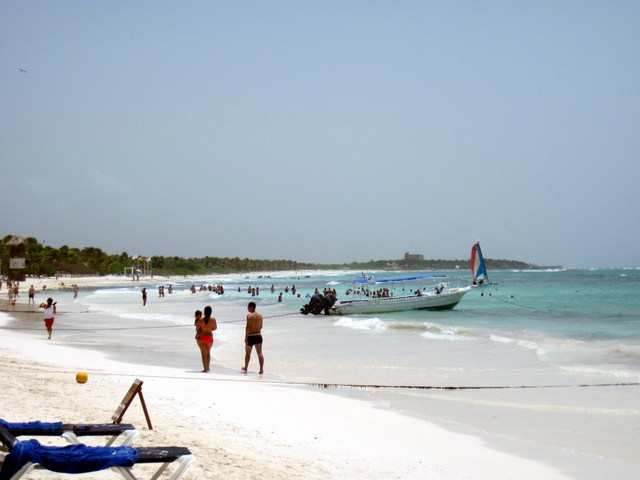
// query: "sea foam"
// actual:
[[361, 324], [448, 333]]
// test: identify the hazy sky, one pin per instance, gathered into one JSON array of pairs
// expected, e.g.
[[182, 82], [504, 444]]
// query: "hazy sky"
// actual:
[[324, 131]]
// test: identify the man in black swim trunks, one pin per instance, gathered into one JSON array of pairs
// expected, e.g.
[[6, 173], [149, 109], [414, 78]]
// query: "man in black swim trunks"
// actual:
[[253, 337]]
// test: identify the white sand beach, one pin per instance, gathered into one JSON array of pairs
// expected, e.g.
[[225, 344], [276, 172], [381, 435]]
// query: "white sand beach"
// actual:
[[250, 426]]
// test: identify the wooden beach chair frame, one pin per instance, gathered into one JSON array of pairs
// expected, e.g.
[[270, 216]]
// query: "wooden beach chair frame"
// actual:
[[163, 455]]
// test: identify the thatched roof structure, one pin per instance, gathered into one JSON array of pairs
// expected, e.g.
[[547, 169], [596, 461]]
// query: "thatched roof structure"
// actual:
[[75, 270], [15, 240]]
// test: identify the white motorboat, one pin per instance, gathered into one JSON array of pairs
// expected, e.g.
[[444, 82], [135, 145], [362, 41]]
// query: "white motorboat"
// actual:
[[373, 296]]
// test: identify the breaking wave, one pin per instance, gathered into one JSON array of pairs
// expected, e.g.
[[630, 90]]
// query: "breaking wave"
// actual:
[[361, 324], [425, 329]]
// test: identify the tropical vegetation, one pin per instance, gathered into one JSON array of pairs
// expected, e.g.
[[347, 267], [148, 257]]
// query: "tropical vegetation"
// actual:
[[46, 260]]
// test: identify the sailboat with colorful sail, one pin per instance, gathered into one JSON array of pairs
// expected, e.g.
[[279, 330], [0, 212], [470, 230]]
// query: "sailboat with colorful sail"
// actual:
[[478, 268]]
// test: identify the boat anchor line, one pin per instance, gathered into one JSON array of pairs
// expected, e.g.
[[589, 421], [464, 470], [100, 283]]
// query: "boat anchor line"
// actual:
[[512, 303]]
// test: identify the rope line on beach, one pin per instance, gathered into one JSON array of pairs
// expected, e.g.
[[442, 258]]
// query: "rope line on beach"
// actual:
[[99, 329], [96, 312], [20, 311], [468, 387], [355, 385], [265, 317]]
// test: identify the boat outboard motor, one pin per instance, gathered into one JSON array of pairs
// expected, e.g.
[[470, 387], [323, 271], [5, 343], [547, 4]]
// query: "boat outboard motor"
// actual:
[[318, 303], [329, 301], [313, 304]]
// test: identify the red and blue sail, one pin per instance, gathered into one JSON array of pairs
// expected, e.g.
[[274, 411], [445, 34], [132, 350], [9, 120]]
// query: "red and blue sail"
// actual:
[[478, 269]]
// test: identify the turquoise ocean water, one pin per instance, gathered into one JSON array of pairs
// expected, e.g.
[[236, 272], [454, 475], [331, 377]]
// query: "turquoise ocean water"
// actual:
[[583, 321], [523, 323], [555, 331]]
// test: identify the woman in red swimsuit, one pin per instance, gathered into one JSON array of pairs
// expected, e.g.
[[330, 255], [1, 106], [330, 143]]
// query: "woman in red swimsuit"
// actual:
[[49, 312], [204, 335]]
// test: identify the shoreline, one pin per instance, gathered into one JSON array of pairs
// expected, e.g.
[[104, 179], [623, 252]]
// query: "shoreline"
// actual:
[[66, 283], [292, 431], [296, 433]]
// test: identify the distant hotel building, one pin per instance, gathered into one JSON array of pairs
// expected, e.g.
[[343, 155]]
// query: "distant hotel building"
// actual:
[[413, 256]]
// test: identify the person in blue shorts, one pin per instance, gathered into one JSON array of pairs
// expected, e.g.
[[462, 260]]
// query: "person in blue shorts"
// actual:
[[32, 296]]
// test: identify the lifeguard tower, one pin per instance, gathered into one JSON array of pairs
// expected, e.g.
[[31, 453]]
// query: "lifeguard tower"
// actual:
[[17, 263]]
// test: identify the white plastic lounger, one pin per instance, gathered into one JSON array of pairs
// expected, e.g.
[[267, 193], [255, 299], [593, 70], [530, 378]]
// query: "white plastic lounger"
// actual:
[[79, 458], [71, 431], [167, 455]]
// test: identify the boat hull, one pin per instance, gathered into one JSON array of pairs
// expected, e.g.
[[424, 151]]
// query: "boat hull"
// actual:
[[426, 301]]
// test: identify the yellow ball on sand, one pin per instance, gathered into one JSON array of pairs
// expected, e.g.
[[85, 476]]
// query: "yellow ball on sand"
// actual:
[[82, 377]]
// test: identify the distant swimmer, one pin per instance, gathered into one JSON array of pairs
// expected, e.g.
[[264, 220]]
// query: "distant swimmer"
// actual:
[[22, 70], [253, 337]]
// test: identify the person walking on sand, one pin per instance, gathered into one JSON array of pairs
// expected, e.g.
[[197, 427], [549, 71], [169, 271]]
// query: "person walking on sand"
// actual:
[[253, 337], [205, 326], [144, 297], [49, 313]]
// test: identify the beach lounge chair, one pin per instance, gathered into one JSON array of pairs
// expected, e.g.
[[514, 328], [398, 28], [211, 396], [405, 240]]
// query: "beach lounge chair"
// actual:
[[71, 431], [80, 458]]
